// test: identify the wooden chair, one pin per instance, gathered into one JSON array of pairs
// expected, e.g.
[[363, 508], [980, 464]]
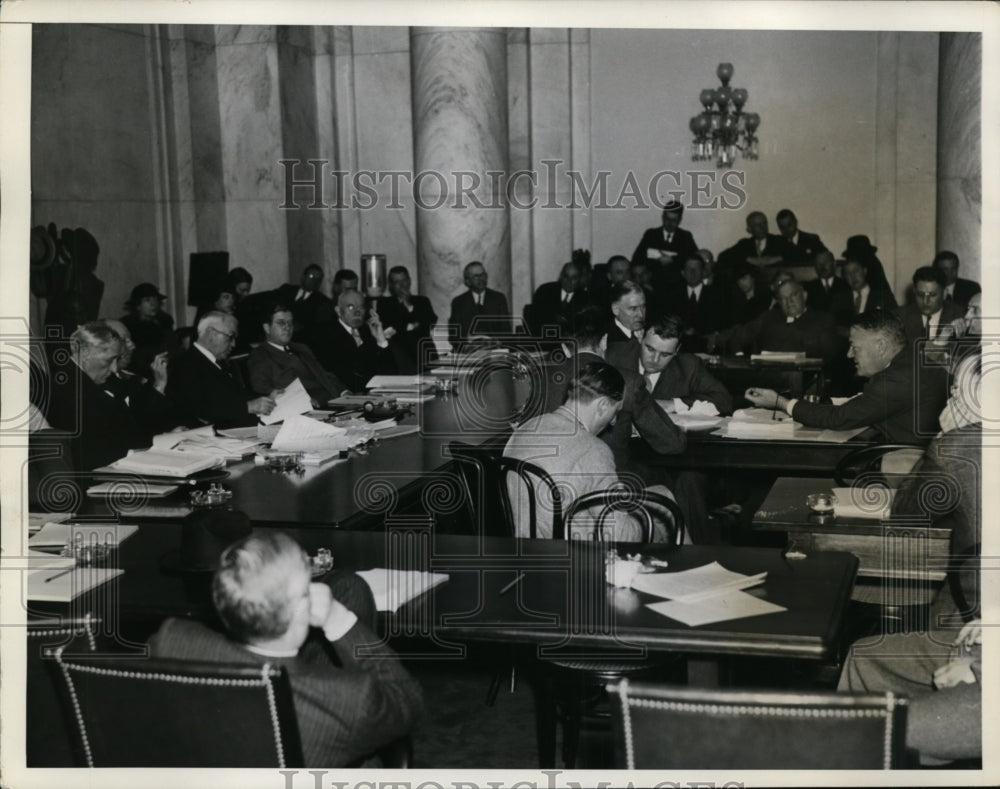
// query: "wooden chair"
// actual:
[[665, 727], [635, 502], [867, 460]]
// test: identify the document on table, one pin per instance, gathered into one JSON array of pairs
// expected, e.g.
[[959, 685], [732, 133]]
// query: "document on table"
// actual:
[[56, 535], [697, 584], [302, 434], [721, 608], [59, 586], [393, 588], [872, 502], [293, 401]]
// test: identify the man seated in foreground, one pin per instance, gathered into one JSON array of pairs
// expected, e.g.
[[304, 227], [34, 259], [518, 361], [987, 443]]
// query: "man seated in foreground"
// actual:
[[565, 445], [347, 708], [897, 405]]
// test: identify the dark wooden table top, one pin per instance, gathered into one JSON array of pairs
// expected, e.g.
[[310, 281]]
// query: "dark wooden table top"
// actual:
[[562, 602]]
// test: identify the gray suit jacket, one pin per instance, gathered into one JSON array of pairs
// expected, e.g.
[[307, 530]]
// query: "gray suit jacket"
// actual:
[[271, 368]]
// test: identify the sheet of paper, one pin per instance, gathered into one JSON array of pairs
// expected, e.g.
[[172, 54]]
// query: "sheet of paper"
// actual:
[[722, 608], [697, 583], [64, 586], [293, 401], [113, 488], [393, 588], [839, 436], [241, 433], [170, 440], [871, 502], [38, 519], [56, 535], [302, 434], [393, 381]]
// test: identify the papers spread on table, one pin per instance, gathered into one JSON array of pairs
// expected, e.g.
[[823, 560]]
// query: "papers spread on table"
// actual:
[[732, 605], [294, 400], [59, 586], [393, 588], [699, 583], [203, 441], [57, 535], [164, 463], [302, 434], [130, 488], [758, 423], [700, 415], [242, 433], [872, 502]]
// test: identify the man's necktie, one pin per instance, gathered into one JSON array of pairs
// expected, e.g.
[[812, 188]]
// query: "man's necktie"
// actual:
[[357, 337], [760, 245], [566, 296], [669, 237], [826, 285], [300, 295], [857, 302]]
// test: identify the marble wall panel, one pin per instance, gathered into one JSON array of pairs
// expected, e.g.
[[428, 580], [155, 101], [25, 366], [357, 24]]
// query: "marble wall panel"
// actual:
[[520, 158]]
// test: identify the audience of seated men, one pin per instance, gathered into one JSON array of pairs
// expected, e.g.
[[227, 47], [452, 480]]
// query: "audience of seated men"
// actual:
[[151, 328], [351, 693], [698, 305], [313, 310], [828, 292], [351, 348], [665, 248], [930, 313], [939, 670], [278, 361], [956, 289], [556, 303], [795, 327], [801, 247], [145, 397], [203, 383], [100, 426], [479, 313], [897, 404], [410, 318], [565, 444]]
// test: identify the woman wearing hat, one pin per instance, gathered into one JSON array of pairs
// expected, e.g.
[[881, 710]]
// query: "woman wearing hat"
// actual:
[[152, 329]]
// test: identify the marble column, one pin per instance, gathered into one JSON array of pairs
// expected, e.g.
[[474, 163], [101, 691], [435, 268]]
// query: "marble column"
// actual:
[[959, 167], [459, 81]]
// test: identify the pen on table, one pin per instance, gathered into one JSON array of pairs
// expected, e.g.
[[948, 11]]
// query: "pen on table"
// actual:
[[512, 584], [67, 571]]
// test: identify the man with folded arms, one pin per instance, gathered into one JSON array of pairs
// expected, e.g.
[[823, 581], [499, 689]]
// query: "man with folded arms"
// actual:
[[272, 613], [203, 383], [278, 361], [895, 404]]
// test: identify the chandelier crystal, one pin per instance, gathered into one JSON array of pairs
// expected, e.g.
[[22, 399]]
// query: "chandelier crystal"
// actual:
[[723, 128]]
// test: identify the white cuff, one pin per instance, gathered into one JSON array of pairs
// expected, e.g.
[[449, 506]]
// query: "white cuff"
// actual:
[[790, 406]]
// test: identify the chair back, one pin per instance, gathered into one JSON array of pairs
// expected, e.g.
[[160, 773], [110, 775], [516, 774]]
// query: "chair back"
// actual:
[[538, 482], [483, 494], [171, 713], [867, 459], [668, 727], [639, 502]]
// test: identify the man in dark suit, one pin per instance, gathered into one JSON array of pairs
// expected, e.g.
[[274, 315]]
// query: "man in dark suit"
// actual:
[[203, 384], [312, 309], [346, 706], [828, 292], [479, 312], [955, 288], [616, 271], [746, 298], [698, 305], [278, 361], [665, 248], [931, 313], [410, 318], [793, 328], [641, 273], [865, 297], [556, 303], [761, 250], [801, 247], [889, 403], [100, 426], [628, 312], [352, 349]]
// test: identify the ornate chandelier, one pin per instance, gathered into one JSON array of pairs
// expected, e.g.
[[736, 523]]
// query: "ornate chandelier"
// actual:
[[720, 132]]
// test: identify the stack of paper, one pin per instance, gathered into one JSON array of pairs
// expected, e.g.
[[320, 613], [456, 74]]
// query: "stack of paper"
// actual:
[[163, 463], [393, 588], [294, 400], [117, 488], [302, 434], [700, 415], [60, 586], [203, 441], [759, 423], [871, 502]]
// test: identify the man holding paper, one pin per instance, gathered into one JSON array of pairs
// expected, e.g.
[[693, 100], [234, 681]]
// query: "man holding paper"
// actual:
[[346, 707], [278, 361]]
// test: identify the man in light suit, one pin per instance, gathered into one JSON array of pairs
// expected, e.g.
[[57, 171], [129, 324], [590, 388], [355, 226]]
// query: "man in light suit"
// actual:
[[931, 313], [955, 288], [272, 612], [479, 312], [203, 384], [278, 361], [802, 247]]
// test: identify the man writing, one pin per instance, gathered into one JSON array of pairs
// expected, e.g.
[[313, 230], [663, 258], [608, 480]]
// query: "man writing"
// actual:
[[263, 595]]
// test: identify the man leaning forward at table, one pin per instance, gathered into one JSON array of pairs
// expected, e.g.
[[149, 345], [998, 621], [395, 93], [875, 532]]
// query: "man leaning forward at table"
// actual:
[[347, 706], [899, 405], [565, 445]]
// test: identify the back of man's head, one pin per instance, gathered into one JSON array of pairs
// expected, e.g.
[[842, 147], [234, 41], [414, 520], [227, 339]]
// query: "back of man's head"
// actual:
[[91, 335], [596, 379], [885, 324], [251, 589], [589, 326]]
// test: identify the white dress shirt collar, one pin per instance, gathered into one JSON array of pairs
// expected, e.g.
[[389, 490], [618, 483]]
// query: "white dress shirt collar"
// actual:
[[207, 354]]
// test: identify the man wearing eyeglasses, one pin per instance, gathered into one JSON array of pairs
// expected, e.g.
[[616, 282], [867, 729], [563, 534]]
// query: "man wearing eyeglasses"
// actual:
[[203, 382]]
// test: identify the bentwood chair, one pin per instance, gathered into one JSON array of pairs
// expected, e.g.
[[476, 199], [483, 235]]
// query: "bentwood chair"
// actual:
[[127, 712], [869, 461], [573, 691], [664, 727]]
